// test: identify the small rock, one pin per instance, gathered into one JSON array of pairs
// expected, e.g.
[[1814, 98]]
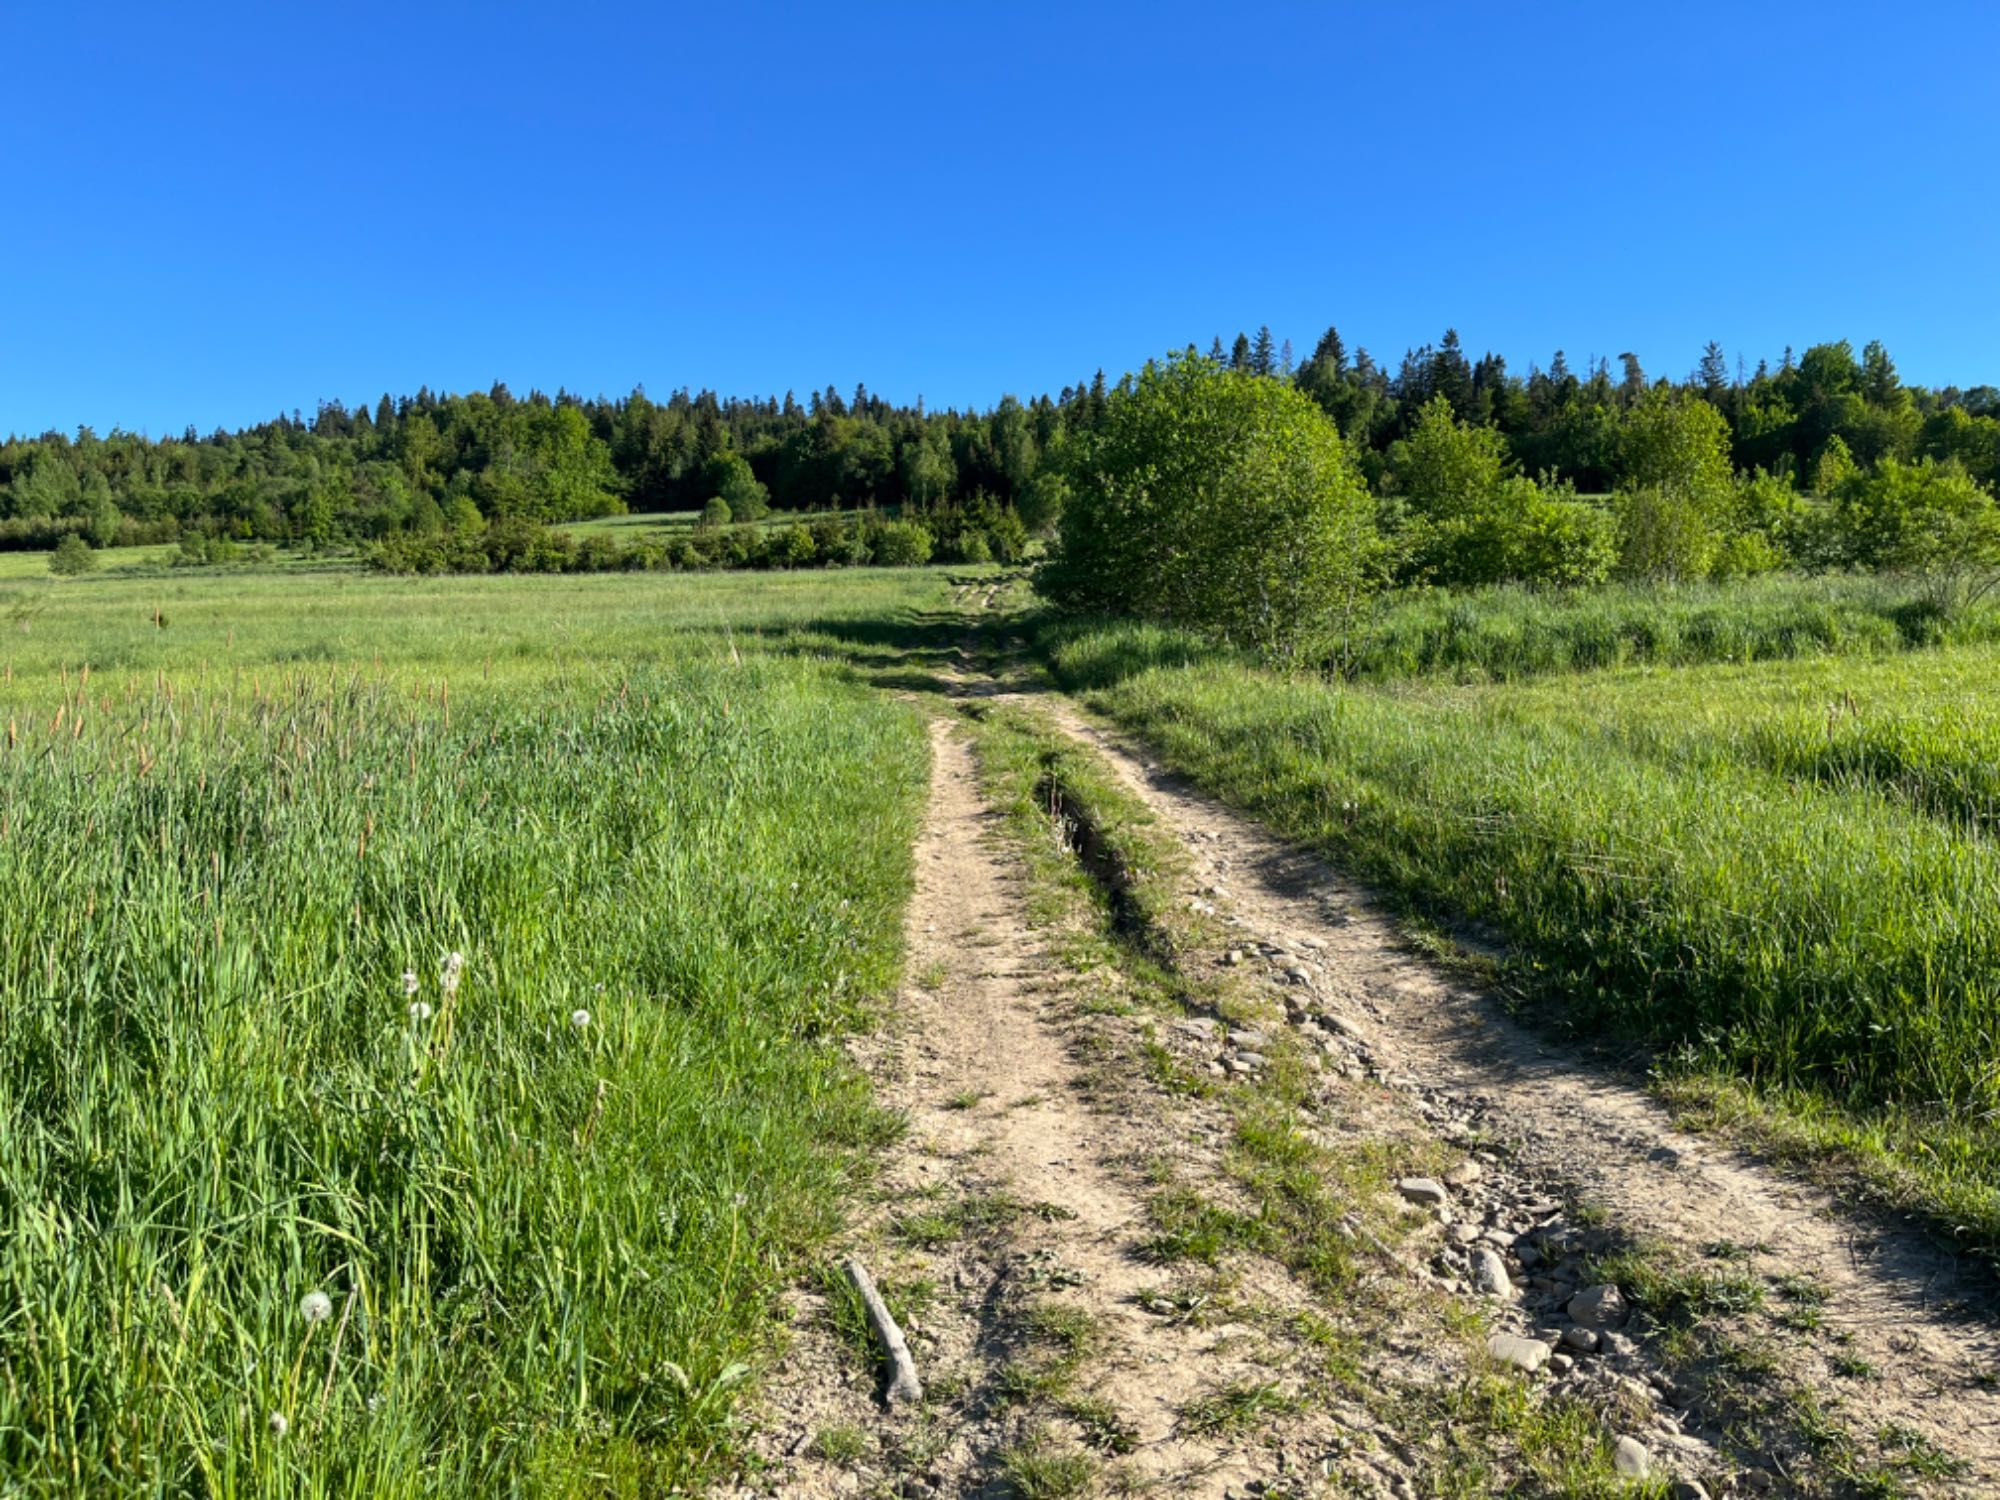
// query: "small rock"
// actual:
[[1689, 1489], [1249, 1039], [1466, 1233], [1251, 1059], [1600, 1305], [1562, 1364], [1489, 1274], [1523, 1354], [1196, 1026], [1581, 1338], [1760, 1481], [1233, 957], [1464, 1174], [1422, 1190], [1630, 1458]]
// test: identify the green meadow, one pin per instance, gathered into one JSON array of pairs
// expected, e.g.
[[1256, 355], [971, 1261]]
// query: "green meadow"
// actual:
[[296, 1202]]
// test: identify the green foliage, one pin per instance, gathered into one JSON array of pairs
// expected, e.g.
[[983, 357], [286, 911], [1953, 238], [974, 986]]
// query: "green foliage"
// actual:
[[1674, 507], [743, 492], [900, 544], [1446, 469], [1928, 520], [72, 556], [1465, 523], [1216, 499]]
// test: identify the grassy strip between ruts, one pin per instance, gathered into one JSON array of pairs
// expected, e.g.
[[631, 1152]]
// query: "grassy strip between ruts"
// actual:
[[1832, 948], [279, 1220]]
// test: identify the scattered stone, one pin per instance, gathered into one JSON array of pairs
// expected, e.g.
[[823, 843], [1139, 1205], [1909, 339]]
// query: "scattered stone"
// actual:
[[1489, 1274], [1196, 1026], [1603, 1306], [1250, 1039], [1464, 1174], [1584, 1339], [1760, 1481], [1251, 1059], [1423, 1190], [1630, 1458], [1562, 1364], [1233, 957], [1523, 1354], [1466, 1233]]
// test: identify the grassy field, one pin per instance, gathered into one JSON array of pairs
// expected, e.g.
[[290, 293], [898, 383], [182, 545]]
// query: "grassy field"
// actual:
[[1507, 634], [1782, 874], [297, 1204], [670, 523]]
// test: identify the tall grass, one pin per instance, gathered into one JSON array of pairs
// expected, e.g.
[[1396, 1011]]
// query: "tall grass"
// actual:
[[1661, 868], [547, 1201], [1509, 634]]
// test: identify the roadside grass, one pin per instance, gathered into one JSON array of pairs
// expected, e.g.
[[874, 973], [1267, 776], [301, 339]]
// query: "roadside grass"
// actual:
[[548, 1196], [1511, 633], [1814, 950]]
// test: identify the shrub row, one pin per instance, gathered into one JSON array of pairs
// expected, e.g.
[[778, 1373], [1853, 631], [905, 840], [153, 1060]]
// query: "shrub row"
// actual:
[[526, 547]]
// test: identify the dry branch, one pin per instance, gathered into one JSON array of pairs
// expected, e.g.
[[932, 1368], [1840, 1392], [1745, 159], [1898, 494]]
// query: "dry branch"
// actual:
[[903, 1382]]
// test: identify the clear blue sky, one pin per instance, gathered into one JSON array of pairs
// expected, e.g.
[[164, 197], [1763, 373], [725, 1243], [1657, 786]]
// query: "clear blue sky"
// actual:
[[217, 212]]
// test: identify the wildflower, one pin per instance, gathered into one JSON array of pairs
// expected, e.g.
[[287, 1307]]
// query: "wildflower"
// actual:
[[316, 1307], [454, 968], [409, 981], [420, 1011], [579, 1019], [279, 1426]]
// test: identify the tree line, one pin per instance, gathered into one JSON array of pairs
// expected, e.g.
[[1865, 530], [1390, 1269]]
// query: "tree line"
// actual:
[[1454, 448]]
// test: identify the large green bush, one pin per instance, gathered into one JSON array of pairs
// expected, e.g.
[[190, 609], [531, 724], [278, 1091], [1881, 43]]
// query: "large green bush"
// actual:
[[1218, 499]]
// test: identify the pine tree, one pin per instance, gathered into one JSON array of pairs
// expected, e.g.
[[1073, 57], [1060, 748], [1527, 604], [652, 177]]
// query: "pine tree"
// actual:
[[1714, 370], [1633, 386], [1239, 352], [1285, 359], [1215, 350], [1263, 355]]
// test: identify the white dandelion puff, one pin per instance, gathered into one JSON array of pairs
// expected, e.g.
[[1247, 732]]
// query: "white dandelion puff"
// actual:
[[454, 969], [409, 981], [279, 1426], [315, 1307], [420, 1010], [579, 1019]]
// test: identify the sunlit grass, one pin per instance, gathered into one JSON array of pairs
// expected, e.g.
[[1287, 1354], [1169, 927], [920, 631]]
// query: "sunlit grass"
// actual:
[[547, 1204]]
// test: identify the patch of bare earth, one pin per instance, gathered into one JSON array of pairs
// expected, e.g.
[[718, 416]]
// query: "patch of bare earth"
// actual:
[[1012, 1229], [1871, 1327]]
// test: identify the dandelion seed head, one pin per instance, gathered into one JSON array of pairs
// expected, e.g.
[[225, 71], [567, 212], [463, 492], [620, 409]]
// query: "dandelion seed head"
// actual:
[[579, 1019], [420, 1010], [315, 1307], [454, 967], [409, 981], [279, 1426]]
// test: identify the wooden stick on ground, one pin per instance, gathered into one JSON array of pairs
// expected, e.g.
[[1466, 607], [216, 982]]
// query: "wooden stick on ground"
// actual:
[[903, 1382]]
